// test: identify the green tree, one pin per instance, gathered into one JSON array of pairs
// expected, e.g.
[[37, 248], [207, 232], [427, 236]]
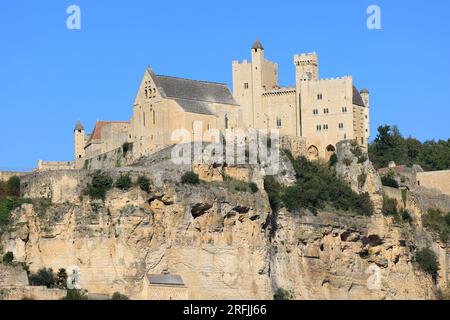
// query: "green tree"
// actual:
[[44, 277], [13, 186], [100, 184]]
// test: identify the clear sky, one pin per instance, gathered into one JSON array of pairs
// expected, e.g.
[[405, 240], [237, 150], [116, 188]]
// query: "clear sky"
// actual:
[[51, 76]]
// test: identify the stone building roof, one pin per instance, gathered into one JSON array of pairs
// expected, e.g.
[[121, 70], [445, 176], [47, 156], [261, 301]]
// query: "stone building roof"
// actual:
[[357, 99], [165, 279], [79, 126], [257, 45], [193, 95], [97, 132]]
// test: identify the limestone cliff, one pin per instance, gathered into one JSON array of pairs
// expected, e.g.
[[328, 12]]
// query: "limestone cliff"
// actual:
[[224, 241]]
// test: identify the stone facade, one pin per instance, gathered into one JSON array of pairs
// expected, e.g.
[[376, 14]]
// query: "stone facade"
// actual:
[[322, 112], [439, 180]]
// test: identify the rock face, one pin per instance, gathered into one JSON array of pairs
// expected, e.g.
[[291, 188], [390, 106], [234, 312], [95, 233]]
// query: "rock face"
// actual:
[[225, 243], [354, 167]]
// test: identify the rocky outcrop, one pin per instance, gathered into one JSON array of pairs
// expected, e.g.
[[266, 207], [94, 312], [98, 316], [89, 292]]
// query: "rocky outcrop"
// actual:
[[354, 166], [225, 243]]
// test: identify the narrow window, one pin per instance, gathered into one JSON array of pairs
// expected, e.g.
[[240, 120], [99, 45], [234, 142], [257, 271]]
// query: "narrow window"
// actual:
[[246, 85], [278, 123], [154, 117], [226, 121], [362, 140], [144, 119]]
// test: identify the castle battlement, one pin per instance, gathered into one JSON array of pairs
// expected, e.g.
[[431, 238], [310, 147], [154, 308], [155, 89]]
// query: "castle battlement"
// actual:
[[335, 79]]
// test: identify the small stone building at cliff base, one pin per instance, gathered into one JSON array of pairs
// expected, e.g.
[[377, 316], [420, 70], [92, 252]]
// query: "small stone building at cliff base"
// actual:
[[164, 287]]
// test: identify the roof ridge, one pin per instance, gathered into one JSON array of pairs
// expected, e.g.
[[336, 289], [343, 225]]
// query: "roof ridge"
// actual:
[[181, 78], [176, 98]]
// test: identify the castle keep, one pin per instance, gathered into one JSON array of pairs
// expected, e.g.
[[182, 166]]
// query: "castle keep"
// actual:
[[319, 112]]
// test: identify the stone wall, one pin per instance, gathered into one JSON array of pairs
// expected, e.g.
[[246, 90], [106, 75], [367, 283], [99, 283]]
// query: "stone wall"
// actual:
[[59, 186], [439, 180], [55, 165], [5, 175]]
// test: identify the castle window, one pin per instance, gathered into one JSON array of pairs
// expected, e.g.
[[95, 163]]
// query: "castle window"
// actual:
[[146, 93], [226, 121], [344, 109], [315, 111], [278, 123], [325, 110], [154, 117], [246, 85], [319, 96], [325, 127], [319, 127], [144, 118], [154, 90], [341, 125], [362, 140]]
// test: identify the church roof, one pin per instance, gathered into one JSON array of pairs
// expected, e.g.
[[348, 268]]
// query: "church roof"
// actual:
[[165, 279], [257, 45], [78, 126], [357, 99], [193, 95]]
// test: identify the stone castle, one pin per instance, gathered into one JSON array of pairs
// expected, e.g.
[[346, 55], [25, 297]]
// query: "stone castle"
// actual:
[[318, 112]]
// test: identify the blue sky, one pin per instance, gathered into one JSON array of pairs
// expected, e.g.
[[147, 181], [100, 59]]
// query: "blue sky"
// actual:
[[51, 76]]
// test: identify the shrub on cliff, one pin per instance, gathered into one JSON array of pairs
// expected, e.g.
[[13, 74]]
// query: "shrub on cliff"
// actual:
[[144, 183], [44, 277], [13, 186], [274, 190], [253, 187], [318, 186], [427, 261], [190, 178], [123, 182], [8, 258], [389, 181], [389, 206], [119, 296], [99, 185], [282, 294], [438, 223], [74, 294]]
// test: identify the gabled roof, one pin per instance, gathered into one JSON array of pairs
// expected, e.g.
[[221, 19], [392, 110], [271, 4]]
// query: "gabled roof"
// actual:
[[357, 99], [193, 95], [165, 279]]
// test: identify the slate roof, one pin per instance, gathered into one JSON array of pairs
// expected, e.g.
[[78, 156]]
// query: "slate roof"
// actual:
[[257, 45], [165, 279], [357, 99], [79, 126]]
